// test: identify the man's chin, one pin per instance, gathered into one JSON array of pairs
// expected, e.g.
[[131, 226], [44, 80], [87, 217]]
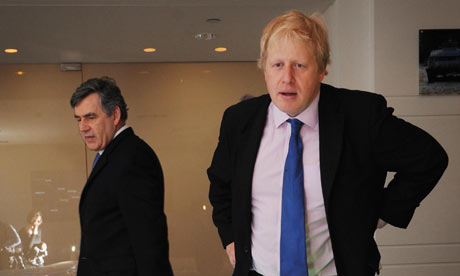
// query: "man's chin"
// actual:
[[92, 147], [288, 107], [291, 112]]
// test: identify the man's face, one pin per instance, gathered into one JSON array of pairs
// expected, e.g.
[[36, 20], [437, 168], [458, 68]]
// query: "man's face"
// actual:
[[96, 127], [291, 75], [37, 220]]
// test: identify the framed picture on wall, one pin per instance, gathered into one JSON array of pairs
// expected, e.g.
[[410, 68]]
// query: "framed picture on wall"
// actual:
[[439, 61]]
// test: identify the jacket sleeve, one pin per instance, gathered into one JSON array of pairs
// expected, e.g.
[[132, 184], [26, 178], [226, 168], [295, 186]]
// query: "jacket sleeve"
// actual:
[[220, 176], [417, 159], [141, 201]]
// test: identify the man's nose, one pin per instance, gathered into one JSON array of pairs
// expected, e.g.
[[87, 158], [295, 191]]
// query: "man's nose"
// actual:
[[288, 75], [83, 126]]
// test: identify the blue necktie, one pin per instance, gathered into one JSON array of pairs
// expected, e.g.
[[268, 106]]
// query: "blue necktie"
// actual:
[[293, 259], [95, 159]]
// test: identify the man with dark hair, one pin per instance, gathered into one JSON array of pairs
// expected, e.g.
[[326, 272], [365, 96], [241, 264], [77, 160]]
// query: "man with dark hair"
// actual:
[[298, 176], [123, 225]]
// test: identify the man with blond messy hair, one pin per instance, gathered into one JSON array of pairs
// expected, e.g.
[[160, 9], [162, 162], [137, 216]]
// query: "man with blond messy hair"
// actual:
[[298, 176]]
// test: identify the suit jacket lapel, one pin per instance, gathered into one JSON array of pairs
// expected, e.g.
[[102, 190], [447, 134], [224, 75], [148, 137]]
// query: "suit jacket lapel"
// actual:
[[331, 123], [102, 162], [251, 134], [252, 130], [108, 150]]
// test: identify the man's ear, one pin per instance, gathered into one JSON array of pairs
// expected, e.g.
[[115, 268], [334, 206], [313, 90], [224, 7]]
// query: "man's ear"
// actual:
[[322, 74], [116, 115]]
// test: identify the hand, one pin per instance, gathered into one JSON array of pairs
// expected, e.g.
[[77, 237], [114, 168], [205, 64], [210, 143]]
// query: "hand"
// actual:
[[230, 249], [381, 224]]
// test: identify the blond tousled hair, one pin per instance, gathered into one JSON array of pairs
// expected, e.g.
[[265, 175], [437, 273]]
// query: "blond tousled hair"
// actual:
[[295, 25]]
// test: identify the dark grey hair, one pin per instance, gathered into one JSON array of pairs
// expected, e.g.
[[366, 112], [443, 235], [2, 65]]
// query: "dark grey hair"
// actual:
[[109, 94]]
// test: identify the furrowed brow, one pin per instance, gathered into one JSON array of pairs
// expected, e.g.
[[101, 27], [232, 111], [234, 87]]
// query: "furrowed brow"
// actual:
[[91, 114], [87, 115]]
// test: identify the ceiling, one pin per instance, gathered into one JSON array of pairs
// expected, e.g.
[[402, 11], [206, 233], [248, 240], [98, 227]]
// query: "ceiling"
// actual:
[[114, 31]]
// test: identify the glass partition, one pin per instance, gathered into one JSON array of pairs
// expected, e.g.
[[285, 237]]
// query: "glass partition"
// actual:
[[175, 107], [42, 167]]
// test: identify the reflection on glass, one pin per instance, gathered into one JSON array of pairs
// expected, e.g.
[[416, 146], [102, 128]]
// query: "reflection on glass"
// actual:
[[42, 166], [34, 249], [176, 108]]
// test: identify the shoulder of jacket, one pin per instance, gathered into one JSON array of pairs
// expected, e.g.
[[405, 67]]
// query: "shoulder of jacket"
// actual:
[[349, 96]]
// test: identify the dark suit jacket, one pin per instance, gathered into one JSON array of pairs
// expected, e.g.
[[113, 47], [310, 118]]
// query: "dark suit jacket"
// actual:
[[123, 226], [360, 141]]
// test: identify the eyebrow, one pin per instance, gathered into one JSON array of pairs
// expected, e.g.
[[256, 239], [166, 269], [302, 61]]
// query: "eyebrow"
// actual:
[[86, 115]]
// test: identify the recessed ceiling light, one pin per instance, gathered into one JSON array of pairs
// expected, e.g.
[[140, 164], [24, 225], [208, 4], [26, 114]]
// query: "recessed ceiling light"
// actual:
[[205, 36], [20, 73], [149, 50], [220, 49], [70, 67], [11, 51]]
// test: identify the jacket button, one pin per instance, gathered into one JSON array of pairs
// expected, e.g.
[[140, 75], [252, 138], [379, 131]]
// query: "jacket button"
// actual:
[[246, 250]]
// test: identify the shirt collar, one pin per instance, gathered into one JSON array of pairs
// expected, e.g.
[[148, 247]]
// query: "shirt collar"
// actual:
[[309, 116]]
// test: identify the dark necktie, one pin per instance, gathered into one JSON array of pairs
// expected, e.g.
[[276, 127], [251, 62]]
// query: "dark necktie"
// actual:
[[95, 159], [293, 259]]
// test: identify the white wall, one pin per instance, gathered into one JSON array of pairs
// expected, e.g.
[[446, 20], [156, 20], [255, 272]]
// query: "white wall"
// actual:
[[375, 47], [351, 36]]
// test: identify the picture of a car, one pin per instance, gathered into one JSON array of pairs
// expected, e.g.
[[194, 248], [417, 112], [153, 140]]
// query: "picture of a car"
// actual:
[[443, 63]]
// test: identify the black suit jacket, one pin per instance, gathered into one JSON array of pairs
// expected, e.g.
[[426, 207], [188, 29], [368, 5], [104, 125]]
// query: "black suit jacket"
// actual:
[[123, 226], [360, 141]]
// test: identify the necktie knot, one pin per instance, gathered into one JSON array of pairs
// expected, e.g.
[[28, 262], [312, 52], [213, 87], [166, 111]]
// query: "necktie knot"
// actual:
[[295, 126]]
